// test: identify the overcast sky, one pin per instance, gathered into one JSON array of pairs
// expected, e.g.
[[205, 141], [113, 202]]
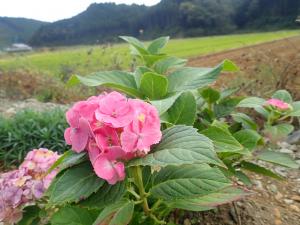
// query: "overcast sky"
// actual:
[[52, 10]]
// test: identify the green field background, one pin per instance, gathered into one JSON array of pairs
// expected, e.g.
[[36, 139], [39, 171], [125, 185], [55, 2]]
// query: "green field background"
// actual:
[[87, 59]]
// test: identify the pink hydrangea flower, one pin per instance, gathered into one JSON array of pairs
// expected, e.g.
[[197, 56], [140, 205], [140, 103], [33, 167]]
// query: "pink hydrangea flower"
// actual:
[[278, 104], [114, 110], [144, 130], [26, 184], [113, 130]]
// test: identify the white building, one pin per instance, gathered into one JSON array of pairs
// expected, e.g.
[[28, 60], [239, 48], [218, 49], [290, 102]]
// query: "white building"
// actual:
[[18, 47]]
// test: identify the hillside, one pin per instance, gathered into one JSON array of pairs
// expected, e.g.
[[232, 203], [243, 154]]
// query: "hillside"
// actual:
[[17, 29], [179, 18]]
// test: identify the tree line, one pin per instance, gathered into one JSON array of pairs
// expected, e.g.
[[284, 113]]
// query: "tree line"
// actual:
[[104, 22]]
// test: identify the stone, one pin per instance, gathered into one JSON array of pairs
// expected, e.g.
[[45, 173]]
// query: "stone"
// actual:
[[284, 144], [295, 208], [285, 150], [187, 222], [258, 184], [278, 196], [281, 171], [277, 222], [277, 213], [296, 198], [288, 201], [294, 138], [273, 188]]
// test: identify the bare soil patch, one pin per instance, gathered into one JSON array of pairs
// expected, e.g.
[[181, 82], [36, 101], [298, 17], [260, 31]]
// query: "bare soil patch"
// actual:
[[263, 68]]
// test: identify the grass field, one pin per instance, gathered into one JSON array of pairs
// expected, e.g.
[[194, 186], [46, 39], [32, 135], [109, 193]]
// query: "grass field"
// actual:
[[87, 59]]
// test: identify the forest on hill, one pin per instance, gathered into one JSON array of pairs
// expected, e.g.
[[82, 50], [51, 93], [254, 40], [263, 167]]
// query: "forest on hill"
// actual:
[[177, 18], [104, 22], [17, 29]]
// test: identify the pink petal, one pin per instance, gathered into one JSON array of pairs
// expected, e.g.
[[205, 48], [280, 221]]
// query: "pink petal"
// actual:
[[78, 139], [72, 117], [106, 136], [150, 138], [114, 153], [67, 136], [93, 150], [104, 168], [129, 141]]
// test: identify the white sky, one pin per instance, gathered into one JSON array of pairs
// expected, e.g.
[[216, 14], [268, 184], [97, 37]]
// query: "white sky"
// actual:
[[52, 10]]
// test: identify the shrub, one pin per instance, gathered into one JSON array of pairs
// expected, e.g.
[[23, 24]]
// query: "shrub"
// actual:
[[28, 129]]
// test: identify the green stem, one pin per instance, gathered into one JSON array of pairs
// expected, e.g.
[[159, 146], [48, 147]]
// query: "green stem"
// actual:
[[134, 194], [157, 221], [138, 180], [156, 204]]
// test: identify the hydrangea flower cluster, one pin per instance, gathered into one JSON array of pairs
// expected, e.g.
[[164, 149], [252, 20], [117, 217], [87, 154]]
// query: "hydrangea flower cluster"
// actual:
[[112, 129], [279, 104], [23, 186]]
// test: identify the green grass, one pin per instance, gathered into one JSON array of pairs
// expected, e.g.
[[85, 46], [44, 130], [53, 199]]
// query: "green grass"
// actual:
[[28, 130], [87, 59]]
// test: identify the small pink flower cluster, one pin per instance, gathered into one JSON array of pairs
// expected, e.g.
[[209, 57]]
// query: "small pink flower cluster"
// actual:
[[277, 103], [112, 129], [23, 186]]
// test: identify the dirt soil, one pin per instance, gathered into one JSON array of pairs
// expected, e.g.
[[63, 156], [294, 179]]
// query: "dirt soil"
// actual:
[[263, 68]]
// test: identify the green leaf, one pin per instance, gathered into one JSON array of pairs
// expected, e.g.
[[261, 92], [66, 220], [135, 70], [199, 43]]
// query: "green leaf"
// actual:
[[209, 201], [154, 86], [279, 158], [248, 138], [138, 74], [163, 105], [183, 111], [156, 45], [259, 169], [123, 215], [73, 215], [30, 216], [226, 106], [163, 65], [229, 66], [228, 92], [118, 80], [187, 181], [138, 47], [190, 78], [278, 132], [251, 102], [245, 120], [106, 195], [152, 59], [296, 109], [210, 95], [76, 184], [116, 214], [243, 177], [262, 111], [223, 140], [68, 159], [283, 95], [180, 145]]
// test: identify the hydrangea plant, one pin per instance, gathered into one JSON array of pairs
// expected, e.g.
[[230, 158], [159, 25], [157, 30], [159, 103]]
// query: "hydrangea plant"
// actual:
[[26, 185], [160, 141]]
